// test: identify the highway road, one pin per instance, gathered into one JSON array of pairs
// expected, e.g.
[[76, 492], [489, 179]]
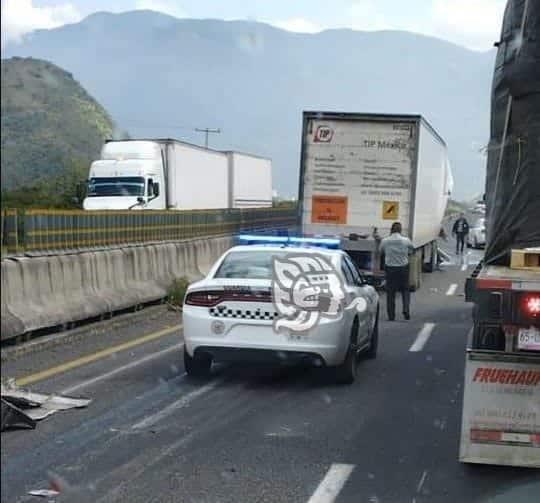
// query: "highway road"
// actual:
[[258, 434]]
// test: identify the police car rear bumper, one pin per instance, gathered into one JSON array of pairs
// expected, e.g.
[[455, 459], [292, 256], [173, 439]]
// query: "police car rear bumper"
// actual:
[[328, 339], [260, 356]]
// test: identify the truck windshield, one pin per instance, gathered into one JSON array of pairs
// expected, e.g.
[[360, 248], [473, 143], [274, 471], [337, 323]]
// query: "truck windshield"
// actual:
[[116, 186]]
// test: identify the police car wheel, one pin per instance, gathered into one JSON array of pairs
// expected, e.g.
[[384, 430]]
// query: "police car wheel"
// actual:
[[197, 366], [346, 372], [371, 353]]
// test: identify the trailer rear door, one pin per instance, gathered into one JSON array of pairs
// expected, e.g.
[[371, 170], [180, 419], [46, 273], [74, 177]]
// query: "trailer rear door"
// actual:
[[356, 174]]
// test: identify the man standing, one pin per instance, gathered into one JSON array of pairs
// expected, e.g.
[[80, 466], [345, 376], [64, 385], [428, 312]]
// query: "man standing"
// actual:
[[460, 231], [396, 250]]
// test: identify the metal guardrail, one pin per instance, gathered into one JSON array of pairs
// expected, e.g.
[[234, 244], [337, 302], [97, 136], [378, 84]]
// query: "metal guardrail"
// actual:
[[35, 230]]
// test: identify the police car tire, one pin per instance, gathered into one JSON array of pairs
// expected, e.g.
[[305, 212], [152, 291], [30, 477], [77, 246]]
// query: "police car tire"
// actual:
[[371, 353], [346, 372], [197, 366]]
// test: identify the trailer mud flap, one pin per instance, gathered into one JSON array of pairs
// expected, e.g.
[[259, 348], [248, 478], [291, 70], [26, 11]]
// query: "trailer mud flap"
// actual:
[[501, 409]]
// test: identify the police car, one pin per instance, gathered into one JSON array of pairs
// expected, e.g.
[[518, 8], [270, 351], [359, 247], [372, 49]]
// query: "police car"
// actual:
[[283, 300]]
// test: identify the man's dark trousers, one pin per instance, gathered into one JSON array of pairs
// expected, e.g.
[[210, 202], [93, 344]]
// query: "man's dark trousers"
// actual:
[[397, 280], [460, 242]]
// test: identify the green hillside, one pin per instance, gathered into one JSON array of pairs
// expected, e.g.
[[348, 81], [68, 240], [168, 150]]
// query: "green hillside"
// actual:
[[49, 123]]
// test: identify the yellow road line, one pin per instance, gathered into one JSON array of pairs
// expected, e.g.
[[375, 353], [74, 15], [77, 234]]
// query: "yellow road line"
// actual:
[[84, 360]]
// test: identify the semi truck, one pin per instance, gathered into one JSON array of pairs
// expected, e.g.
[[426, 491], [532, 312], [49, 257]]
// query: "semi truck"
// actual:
[[359, 173], [158, 174], [501, 392]]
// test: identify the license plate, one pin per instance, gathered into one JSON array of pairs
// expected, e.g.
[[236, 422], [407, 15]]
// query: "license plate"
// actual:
[[529, 339]]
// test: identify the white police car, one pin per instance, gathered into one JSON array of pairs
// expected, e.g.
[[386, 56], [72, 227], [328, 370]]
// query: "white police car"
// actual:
[[281, 300]]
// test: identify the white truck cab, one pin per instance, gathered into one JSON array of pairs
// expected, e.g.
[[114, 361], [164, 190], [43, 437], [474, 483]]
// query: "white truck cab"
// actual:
[[129, 175]]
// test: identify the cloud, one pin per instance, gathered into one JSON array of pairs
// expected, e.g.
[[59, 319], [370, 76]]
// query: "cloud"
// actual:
[[474, 24], [21, 16], [366, 15], [169, 7], [298, 25], [361, 15]]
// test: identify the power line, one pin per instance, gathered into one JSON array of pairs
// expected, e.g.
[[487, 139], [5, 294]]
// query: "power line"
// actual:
[[146, 125], [206, 132]]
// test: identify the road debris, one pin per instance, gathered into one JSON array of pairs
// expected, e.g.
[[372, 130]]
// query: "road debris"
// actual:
[[44, 493], [13, 417], [22, 408]]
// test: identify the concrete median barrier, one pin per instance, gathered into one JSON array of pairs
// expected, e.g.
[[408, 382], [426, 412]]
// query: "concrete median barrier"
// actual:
[[48, 291]]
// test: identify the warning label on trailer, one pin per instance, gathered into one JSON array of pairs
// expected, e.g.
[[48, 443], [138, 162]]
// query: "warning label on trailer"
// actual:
[[390, 210], [329, 210]]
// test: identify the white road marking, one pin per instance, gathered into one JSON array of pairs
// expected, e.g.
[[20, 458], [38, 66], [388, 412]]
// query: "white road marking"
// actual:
[[173, 407], [421, 483], [330, 487], [118, 370], [452, 289], [465, 261], [422, 337]]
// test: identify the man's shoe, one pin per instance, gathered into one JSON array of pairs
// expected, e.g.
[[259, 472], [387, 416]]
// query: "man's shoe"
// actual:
[[407, 316], [391, 318]]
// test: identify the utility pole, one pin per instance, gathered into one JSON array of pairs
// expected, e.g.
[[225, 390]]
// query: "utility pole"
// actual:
[[206, 131]]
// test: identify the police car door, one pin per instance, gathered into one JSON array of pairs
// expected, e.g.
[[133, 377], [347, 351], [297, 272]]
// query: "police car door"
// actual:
[[355, 297], [364, 307]]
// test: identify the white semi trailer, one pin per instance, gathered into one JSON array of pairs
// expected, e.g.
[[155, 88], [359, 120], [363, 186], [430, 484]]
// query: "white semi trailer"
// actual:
[[360, 173], [170, 174]]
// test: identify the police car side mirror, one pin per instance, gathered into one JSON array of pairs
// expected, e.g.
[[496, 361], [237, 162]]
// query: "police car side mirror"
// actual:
[[367, 280]]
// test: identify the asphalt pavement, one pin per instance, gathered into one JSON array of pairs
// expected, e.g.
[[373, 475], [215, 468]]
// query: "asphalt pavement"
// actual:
[[252, 434]]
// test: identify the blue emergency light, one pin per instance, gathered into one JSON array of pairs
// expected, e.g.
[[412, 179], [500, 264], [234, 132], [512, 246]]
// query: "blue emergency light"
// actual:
[[249, 239]]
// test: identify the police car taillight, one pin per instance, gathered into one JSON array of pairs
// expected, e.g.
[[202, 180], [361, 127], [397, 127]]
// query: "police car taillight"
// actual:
[[204, 299], [531, 305]]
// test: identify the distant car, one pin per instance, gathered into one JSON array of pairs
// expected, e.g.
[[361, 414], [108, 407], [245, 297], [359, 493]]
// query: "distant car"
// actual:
[[477, 234], [231, 315], [480, 208]]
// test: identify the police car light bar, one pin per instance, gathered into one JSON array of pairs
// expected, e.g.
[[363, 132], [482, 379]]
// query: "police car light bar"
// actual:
[[284, 240]]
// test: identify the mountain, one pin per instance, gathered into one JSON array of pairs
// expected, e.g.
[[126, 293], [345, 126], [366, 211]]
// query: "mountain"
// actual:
[[48, 122], [162, 76]]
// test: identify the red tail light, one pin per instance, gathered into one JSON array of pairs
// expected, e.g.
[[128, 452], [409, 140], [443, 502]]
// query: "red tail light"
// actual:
[[204, 299], [211, 298], [531, 304]]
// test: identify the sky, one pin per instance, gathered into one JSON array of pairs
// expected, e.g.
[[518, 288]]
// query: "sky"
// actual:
[[471, 23]]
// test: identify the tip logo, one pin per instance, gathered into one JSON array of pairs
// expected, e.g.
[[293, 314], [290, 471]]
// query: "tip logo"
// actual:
[[323, 134]]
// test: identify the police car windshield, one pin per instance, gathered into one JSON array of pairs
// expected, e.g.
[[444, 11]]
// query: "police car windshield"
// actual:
[[248, 264]]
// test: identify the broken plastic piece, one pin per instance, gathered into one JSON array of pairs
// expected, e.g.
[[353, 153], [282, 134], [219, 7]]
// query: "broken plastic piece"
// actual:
[[44, 493], [13, 417]]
